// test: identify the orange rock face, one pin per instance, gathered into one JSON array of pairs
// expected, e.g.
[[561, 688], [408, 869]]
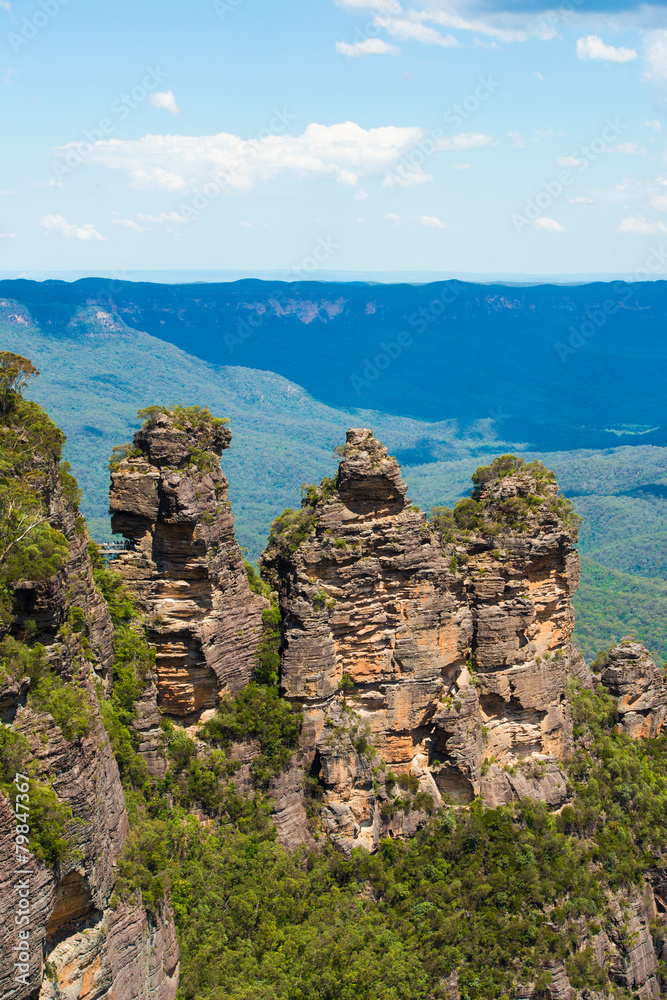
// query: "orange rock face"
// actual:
[[424, 648], [186, 568]]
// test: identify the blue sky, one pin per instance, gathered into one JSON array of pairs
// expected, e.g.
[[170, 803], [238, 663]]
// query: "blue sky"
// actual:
[[439, 135]]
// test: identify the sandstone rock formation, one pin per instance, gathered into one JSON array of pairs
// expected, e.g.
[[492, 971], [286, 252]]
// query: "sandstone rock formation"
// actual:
[[169, 499], [448, 641], [89, 948], [632, 678]]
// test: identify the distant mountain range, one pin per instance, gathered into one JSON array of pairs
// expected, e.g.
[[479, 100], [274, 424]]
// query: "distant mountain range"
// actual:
[[490, 381], [552, 367]]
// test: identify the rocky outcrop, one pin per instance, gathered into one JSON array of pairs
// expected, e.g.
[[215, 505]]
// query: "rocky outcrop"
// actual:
[[630, 675], [77, 944], [446, 642], [185, 570]]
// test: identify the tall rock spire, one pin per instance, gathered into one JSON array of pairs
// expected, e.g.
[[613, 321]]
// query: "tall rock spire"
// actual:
[[169, 499], [425, 647]]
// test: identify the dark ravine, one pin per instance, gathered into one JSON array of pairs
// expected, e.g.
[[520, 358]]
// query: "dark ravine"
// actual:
[[435, 655]]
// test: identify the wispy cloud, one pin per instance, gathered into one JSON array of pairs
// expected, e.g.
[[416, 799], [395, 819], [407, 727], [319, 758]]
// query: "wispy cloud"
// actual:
[[639, 226], [165, 100], [430, 221], [390, 6], [467, 140], [592, 47], [656, 55], [129, 224], [367, 47], [549, 224], [167, 218], [405, 30], [58, 224]]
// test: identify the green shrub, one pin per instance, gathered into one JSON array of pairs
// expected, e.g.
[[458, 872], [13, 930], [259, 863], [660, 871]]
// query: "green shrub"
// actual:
[[20, 660], [68, 705], [267, 671], [258, 713]]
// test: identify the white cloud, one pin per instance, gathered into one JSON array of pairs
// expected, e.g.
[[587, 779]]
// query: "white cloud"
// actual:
[[638, 226], [506, 27], [656, 126], [414, 31], [580, 201], [367, 47], [467, 140], [518, 140], [179, 163], [129, 224], [655, 52], [390, 6], [592, 47], [392, 217], [5, 5], [164, 218], [165, 100], [58, 224], [539, 76], [405, 178], [246, 225], [463, 166], [659, 202], [9, 75], [431, 221], [570, 161], [630, 149], [549, 224], [360, 196], [7, 236]]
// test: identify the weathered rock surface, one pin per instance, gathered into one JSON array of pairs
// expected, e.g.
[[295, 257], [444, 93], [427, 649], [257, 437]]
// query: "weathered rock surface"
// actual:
[[186, 571], [632, 678], [102, 959], [453, 647], [540, 778], [72, 897]]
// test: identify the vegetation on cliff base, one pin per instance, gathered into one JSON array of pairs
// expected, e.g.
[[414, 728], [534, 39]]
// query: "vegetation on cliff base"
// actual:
[[501, 895]]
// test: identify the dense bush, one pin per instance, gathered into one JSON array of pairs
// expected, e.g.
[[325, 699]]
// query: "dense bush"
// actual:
[[67, 704], [258, 712]]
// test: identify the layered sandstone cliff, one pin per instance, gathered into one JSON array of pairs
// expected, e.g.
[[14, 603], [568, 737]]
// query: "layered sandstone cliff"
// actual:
[[79, 945], [185, 570], [437, 648]]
